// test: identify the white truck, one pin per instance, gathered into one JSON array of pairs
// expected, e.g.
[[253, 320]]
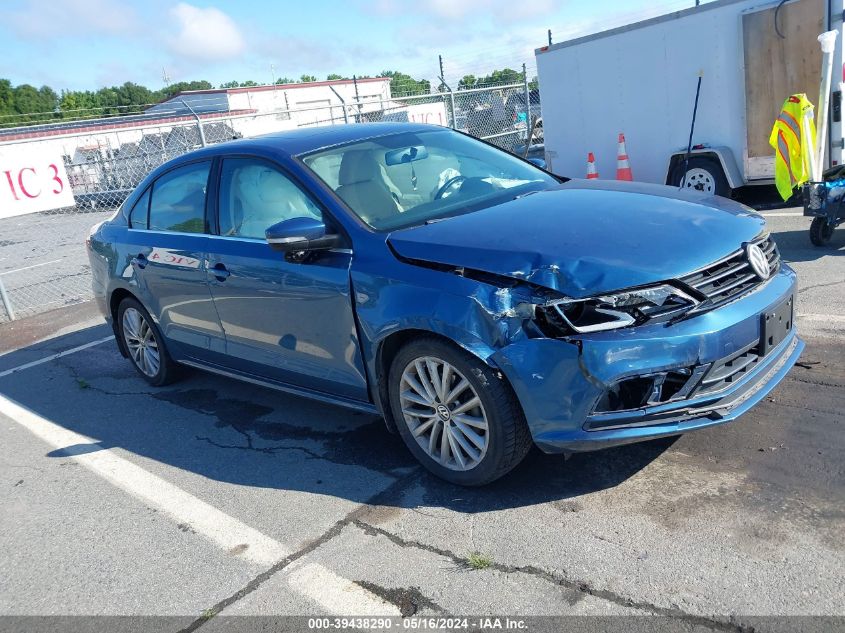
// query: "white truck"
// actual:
[[641, 79]]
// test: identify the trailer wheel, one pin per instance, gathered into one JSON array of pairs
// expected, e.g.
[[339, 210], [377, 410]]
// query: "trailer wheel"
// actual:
[[703, 174], [820, 231]]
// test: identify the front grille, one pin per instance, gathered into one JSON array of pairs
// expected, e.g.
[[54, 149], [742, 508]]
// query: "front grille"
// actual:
[[731, 277], [729, 370]]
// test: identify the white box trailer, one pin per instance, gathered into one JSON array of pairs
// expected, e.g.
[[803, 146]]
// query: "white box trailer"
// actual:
[[640, 79]]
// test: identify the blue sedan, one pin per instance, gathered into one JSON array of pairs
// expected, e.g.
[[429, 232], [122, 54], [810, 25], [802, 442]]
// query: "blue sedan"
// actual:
[[475, 301]]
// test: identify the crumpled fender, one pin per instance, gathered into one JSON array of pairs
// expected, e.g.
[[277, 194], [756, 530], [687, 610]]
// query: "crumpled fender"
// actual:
[[550, 381], [479, 317]]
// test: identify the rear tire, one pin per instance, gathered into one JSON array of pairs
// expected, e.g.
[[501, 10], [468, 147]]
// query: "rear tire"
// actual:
[[702, 174], [482, 442], [821, 232], [144, 344]]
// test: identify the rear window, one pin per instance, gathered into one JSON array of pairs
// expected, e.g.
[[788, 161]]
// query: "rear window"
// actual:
[[178, 199]]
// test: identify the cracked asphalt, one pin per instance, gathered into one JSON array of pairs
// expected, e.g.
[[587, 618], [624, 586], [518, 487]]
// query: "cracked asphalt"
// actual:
[[210, 498]]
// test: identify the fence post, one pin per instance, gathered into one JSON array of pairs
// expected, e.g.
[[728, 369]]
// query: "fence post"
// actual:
[[451, 103], [527, 105], [199, 122], [451, 94], [343, 105], [7, 303]]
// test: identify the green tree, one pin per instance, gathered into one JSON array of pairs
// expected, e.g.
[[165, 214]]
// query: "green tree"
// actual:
[[402, 84], [335, 77], [306, 79], [503, 76], [182, 86], [36, 104], [467, 82], [285, 80], [230, 84], [7, 97], [534, 84]]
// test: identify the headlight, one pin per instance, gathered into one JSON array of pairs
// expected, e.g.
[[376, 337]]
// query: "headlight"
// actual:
[[622, 309]]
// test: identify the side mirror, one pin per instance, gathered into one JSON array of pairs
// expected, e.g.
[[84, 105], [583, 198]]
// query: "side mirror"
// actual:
[[300, 234]]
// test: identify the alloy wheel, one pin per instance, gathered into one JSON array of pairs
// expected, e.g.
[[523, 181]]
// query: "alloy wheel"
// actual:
[[444, 413], [140, 342]]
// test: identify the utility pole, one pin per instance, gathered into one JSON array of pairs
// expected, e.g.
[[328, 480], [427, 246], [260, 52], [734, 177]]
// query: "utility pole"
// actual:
[[550, 32]]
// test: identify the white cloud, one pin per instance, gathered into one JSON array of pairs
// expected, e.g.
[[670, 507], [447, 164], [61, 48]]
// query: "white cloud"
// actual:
[[49, 18], [205, 34]]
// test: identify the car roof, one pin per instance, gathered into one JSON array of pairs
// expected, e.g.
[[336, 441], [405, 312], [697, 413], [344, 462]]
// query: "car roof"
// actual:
[[306, 140]]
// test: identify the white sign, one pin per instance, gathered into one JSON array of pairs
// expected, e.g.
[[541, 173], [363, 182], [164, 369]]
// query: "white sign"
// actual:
[[434, 113], [32, 180]]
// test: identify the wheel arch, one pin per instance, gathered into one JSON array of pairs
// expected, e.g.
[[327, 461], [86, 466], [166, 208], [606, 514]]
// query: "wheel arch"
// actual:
[[387, 347], [722, 156], [116, 297]]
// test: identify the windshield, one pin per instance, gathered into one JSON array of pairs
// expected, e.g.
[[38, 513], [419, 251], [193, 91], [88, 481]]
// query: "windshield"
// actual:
[[399, 180]]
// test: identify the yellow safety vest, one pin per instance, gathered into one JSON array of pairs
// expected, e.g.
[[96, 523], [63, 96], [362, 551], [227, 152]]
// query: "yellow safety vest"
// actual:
[[791, 145]]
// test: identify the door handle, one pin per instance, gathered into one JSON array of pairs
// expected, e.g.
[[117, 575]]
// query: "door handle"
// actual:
[[140, 261], [220, 272]]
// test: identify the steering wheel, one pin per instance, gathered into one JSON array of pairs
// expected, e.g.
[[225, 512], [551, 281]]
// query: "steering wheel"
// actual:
[[447, 185]]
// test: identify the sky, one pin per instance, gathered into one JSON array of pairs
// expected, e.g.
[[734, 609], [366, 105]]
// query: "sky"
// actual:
[[88, 44]]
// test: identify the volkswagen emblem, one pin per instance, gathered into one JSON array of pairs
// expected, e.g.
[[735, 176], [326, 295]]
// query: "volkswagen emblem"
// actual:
[[444, 413], [757, 258]]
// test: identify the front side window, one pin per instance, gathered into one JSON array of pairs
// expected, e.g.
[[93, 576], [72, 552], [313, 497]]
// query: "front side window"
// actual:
[[404, 179], [254, 196], [178, 199]]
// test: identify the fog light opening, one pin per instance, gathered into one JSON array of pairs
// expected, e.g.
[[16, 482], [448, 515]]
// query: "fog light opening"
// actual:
[[631, 393], [641, 391]]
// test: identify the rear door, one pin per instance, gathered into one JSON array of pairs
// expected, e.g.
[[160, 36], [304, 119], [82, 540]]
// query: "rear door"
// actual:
[[284, 320], [169, 240]]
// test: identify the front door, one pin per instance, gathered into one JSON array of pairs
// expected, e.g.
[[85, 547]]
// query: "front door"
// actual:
[[290, 322]]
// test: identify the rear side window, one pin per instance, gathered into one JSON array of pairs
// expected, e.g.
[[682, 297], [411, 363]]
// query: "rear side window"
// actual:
[[139, 216], [178, 199]]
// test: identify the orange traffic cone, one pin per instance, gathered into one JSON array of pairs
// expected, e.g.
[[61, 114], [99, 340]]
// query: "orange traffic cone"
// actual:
[[591, 166], [623, 167]]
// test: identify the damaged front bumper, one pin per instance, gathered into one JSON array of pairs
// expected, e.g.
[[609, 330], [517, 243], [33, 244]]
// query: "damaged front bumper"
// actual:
[[725, 368]]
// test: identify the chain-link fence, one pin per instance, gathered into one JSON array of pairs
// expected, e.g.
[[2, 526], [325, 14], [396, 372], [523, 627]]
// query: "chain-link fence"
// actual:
[[43, 263]]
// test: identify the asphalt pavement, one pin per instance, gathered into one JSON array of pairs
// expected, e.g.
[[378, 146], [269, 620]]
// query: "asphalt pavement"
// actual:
[[210, 499]]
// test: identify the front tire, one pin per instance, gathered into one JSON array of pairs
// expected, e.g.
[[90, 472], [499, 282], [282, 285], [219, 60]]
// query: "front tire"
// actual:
[[144, 344], [821, 231], [456, 415]]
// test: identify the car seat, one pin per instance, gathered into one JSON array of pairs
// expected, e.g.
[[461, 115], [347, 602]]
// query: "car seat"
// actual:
[[363, 188]]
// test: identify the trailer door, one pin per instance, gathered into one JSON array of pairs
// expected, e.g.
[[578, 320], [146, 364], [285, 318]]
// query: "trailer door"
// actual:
[[776, 67]]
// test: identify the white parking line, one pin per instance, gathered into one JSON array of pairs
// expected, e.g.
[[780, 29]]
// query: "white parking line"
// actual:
[[17, 270], [313, 581], [782, 214], [47, 359], [225, 531], [336, 594]]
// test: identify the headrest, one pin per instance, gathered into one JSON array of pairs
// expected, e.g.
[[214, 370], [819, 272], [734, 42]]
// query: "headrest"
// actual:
[[358, 165]]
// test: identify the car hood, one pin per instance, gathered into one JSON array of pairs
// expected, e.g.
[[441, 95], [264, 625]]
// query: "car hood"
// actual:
[[587, 237]]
